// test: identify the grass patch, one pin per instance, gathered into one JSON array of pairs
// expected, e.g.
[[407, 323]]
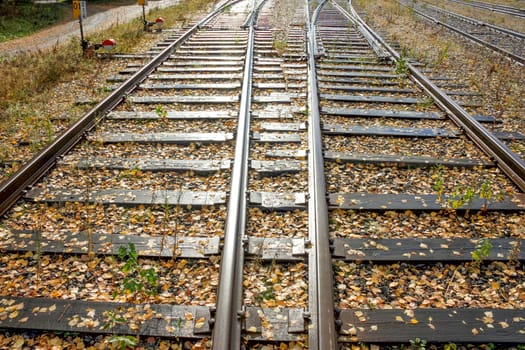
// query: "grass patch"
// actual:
[[29, 79], [30, 74], [25, 19]]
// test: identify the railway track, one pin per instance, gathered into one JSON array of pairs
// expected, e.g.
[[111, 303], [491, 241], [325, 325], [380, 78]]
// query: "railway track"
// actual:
[[505, 41], [508, 10], [267, 182]]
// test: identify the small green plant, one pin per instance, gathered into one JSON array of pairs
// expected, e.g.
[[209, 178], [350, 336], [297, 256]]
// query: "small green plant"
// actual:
[[482, 251], [486, 192], [438, 185], [450, 346], [401, 65], [442, 55], [123, 341], [418, 344], [280, 46], [461, 196], [425, 104], [161, 112], [112, 319], [138, 280], [268, 294]]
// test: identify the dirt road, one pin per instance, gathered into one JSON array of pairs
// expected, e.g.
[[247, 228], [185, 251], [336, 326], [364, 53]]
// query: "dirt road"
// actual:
[[59, 34]]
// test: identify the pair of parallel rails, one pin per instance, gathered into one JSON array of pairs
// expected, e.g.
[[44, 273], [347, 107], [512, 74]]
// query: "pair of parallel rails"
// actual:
[[285, 130], [507, 42]]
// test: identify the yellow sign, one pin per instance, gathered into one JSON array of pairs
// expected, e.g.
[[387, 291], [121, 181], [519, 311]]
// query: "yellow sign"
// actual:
[[143, 2], [79, 9]]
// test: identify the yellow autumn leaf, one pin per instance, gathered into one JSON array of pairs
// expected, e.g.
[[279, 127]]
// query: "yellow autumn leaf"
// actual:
[[200, 322], [23, 320], [400, 319], [13, 314], [414, 321]]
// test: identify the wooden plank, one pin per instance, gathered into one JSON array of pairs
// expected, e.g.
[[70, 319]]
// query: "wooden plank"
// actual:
[[193, 68], [357, 75], [215, 76], [403, 161], [283, 126], [180, 58], [106, 244], [201, 63], [380, 113], [276, 137], [198, 166], [277, 167], [273, 98], [165, 137], [367, 201], [195, 51], [173, 115], [184, 99], [365, 89], [269, 76], [281, 324], [279, 249], [360, 81], [508, 136], [358, 130], [77, 316], [368, 68], [372, 99], [485, 118], [217, 86], [273, 86], [267, 69], [126, 197], [285, 153], [278, 201], [424, 249], [433, 325]]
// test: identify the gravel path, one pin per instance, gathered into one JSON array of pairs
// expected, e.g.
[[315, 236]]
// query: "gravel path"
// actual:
[[59, 34]]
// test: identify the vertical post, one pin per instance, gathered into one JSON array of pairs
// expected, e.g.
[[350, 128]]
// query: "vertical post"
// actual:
[[79, 11], [143, 3]]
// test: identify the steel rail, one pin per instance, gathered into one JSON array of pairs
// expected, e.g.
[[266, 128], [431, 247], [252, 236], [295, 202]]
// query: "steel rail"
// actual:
[[512, 165], [227, 323], [322, 330], [12, 188], [498, 49]]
